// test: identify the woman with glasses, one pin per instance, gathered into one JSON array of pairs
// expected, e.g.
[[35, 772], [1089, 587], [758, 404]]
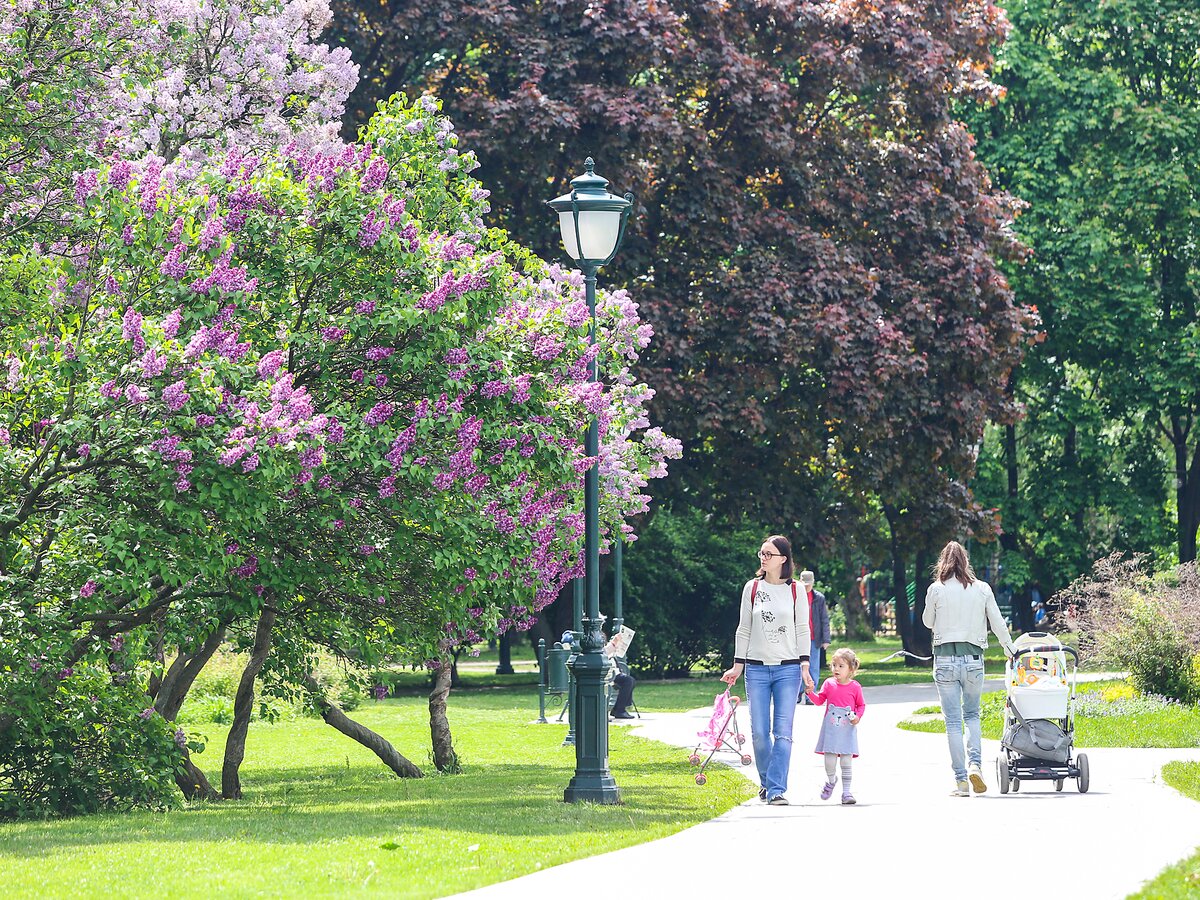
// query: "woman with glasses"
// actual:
[[771, 648]]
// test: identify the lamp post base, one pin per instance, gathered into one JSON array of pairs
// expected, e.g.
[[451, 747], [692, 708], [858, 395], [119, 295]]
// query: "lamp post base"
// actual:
[[597, 788]]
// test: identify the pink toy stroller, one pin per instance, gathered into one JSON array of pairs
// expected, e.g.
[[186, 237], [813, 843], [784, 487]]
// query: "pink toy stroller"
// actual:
[[721, 734]]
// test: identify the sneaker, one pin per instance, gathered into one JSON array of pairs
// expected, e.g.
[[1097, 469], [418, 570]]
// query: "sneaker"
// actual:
[[961, 789], [827, 790], [975, 774], [778, 800], [762, 794], [848, 800]]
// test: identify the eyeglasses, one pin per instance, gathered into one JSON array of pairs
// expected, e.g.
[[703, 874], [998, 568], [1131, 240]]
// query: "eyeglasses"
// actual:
[[762, 555]]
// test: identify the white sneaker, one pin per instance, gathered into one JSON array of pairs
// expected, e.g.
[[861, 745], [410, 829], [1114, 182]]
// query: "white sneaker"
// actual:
[[961, 789], [975, 774]]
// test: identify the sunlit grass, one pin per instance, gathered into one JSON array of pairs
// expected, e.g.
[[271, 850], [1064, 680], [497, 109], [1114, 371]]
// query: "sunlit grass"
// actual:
[[323, 817]]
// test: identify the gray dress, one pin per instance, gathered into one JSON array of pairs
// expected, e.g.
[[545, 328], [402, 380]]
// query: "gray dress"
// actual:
[[838, 735]]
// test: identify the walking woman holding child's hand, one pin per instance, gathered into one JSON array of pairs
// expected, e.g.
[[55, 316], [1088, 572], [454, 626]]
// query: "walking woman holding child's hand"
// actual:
[[771, 647]]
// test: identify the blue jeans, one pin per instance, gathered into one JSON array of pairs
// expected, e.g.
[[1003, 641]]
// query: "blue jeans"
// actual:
[[959, 681], [771, 728]]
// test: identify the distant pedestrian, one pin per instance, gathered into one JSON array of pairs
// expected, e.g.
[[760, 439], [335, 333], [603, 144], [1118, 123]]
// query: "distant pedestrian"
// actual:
[[959, 608], [844, 706], [818, 626], [771, 646]]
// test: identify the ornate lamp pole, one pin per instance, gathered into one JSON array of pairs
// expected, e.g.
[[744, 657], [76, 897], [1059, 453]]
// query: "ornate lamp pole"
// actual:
[[593, 223]]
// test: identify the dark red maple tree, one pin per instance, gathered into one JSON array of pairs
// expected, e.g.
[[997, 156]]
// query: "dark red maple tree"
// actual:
[[814, 241]]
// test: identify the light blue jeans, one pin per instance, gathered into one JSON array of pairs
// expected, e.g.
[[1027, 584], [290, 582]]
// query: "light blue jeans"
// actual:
[[959, 681], [772, 691]]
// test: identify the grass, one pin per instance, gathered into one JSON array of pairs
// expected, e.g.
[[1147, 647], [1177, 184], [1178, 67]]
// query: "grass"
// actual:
[[1182, 880], [1108, 714], [323, 817]]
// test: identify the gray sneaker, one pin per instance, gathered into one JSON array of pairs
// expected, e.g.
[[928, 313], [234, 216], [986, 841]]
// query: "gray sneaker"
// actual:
[[975, 774], [961, 789], [779, 800]]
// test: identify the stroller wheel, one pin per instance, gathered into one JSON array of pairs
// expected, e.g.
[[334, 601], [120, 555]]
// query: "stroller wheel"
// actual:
[[1002, 774], [746, 760], [694, 759], [1058, 784], [701, 778], [741, 739], [1016, 785], [1084, 772]]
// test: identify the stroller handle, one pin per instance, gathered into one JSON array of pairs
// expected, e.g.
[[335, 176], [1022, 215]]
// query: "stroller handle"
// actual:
[[1047, 648]]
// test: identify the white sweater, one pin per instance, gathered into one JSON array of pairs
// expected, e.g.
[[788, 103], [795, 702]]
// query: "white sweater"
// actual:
[[775, 629], [957, 613]]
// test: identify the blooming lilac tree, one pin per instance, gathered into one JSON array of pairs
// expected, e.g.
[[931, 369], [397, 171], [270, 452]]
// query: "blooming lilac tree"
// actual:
[[307, 390], [170, 77]]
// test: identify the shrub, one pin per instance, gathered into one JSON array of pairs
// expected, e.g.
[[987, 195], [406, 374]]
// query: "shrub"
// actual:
[[1129, 617], [684, 578]]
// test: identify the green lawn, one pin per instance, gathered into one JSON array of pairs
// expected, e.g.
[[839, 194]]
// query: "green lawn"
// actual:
[[1108, 714], [323, 817], [1182, 880]]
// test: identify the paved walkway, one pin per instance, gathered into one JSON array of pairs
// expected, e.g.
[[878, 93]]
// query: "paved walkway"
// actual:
[[906, 834]]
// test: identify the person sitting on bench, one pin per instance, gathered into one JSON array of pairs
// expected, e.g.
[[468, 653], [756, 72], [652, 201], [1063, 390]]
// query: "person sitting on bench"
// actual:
[[622, 680]]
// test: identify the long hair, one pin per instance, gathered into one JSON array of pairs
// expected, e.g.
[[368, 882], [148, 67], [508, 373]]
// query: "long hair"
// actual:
[[954, 563], [783, 546]]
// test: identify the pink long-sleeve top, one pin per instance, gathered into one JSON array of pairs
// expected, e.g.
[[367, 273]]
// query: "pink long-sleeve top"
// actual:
[[849, 694]]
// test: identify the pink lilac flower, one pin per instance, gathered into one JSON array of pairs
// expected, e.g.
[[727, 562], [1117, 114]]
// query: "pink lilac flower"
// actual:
[[376, 174], [212, 231], [110, 390], [88, 588], [153, 363], [175, 396], [370, 230], [379, 414], [127, 234], [247, 568], [135, 394], [131, 329], [375, 354], [332, 333], [83, 450], [173, 266], [270, 363], [85, 185], [250, 463], [146, 713], [366, 549], [172, 322], [365, 308]]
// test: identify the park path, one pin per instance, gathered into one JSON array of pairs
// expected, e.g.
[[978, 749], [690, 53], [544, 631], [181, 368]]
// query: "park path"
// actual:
[[906, 834]]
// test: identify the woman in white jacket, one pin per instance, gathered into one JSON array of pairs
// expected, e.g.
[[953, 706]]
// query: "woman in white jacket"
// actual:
[[958, 610]]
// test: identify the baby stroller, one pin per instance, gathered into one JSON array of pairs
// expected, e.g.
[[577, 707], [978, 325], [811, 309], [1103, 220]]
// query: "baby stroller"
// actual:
[[1039, 716], [721, 734]]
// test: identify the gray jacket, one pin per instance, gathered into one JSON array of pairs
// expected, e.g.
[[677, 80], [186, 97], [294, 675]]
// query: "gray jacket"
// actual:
[[820, 619]]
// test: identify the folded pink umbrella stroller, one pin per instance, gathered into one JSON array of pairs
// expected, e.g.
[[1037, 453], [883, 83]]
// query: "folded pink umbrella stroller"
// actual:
[[721, 734]]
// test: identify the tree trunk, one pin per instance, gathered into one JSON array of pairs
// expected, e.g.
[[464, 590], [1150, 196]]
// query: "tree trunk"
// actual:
[[182, 674], [922, 636], [243, 706], [858, 625], [192, 782], [444, 757], [1187, 490], [899, 580], [377, 744]]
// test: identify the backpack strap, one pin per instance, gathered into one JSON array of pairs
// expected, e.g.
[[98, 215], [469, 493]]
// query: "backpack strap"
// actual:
[[753, 592]]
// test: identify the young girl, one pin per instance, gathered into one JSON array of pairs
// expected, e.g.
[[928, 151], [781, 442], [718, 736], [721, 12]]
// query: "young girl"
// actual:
[[838, 739]]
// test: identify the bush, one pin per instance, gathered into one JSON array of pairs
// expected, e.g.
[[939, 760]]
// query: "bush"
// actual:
[[683, 582], [1149, 624], [74, 741]]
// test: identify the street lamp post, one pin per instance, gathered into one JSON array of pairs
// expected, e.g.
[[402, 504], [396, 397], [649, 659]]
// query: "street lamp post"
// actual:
[[592, 222]]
